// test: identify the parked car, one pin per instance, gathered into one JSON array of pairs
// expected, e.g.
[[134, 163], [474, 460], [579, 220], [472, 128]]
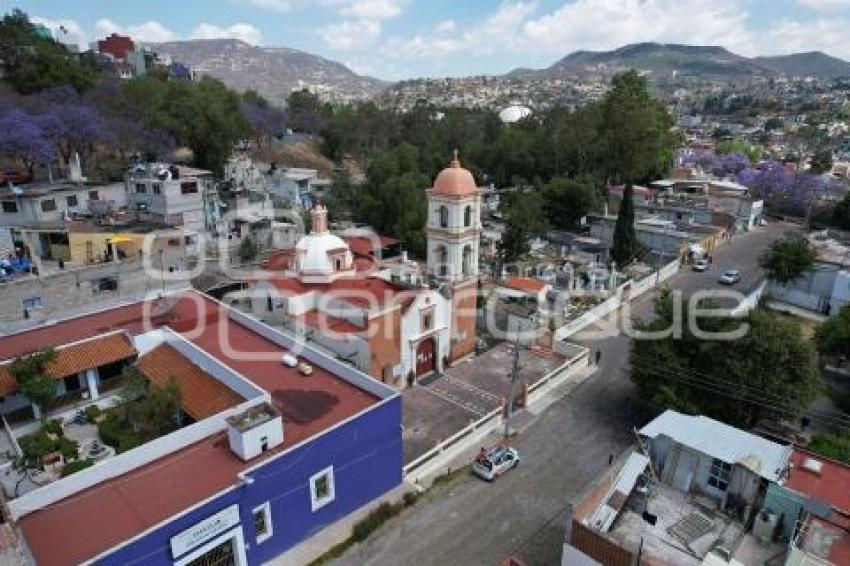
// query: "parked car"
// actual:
[[730, 277], [495, 461], [700, 265]]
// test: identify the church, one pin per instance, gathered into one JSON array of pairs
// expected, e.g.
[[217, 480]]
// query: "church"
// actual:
[[384, 316]]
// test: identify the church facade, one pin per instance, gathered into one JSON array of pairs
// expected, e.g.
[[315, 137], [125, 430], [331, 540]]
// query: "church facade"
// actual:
[[384, 317]]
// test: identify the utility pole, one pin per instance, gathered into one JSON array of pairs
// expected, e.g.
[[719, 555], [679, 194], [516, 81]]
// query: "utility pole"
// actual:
[[509, 409]]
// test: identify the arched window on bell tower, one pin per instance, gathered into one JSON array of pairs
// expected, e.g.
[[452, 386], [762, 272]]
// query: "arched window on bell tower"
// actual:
[[442, 260], [467, 216], [444, 216], [466, 264]]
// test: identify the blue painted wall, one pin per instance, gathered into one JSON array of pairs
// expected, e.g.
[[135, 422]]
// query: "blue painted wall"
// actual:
[[366, 454], [786, 503]]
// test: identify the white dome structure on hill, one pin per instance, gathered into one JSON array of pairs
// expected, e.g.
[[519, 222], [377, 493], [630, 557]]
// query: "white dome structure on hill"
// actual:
[[514, 113], [321, 256]]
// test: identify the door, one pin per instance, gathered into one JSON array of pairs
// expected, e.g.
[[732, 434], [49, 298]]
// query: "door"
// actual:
[[425, 357]]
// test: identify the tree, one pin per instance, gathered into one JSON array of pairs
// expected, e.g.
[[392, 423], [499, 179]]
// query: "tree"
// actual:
[[841, 213], [158, 412], [23, 137], [833, 336], [637, 131], [626, 246], [768, 372], [524, 219], [247, 249], [567, 201], [788, 259], [821, 161], [774, 123], [305, 112], [752, 152], [31, 373], [264, 121]]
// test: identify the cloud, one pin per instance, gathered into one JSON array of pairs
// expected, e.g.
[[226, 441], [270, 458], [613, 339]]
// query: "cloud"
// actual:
[[151, 31], [447, 26], [824, 4], [272, 5], [65, 30], [246, 32], [350, 35], [828, 35], [369, 9]]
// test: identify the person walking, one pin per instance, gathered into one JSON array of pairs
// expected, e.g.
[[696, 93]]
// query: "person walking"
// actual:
[[598, 356]]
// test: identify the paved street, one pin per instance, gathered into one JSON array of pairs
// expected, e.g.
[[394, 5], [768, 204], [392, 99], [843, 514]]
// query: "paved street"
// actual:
[[469, 521]]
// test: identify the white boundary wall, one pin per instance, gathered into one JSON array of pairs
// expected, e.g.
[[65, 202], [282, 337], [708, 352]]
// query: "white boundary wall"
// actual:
[[636, 288]]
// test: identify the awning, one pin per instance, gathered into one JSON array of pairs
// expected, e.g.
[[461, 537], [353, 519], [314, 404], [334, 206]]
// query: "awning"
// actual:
[[121, 240]]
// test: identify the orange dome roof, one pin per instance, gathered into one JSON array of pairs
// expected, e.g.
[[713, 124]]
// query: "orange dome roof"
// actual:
[[455, 180]]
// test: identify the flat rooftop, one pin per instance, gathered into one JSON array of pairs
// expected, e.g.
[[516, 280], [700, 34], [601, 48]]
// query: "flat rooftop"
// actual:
[[122, 507]]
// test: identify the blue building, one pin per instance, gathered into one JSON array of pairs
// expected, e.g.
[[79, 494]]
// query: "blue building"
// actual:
[[270, 454]]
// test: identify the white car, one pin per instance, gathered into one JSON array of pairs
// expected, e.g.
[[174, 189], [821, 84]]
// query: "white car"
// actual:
[[700, 265], [494, 462], [730, 277]]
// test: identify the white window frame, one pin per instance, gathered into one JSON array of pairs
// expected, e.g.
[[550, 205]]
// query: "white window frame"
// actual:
[[266, 510], [315, 502], [723, 474], [238, 551]]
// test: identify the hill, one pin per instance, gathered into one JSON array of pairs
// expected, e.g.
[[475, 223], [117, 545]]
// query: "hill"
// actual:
[[272, 71], [669, 60], [809, 64]]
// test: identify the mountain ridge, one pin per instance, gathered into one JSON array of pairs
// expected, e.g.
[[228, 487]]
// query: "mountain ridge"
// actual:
[[671, 59], [271, 71]]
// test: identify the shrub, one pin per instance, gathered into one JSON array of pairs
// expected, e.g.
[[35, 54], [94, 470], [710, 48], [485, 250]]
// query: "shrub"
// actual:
[[68, 447], [117, 433], [54, 426], [36, 445], [371, 522], [92, 412], [76, 466], [410, 498]]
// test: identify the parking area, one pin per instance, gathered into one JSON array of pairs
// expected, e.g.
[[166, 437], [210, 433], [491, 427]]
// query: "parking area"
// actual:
[[491, 371], [441, 405]]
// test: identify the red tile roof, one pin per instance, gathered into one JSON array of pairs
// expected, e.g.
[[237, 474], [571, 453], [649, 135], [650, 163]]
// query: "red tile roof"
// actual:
[[123, 507], [77, 358], [364, 246], [831, 485], [201, 394], [362, 292], [323, 321], [527, 284]]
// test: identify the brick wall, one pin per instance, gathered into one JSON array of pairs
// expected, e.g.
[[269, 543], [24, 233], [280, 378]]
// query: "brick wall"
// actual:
[[463, 319], [598, 547], [385, 344]]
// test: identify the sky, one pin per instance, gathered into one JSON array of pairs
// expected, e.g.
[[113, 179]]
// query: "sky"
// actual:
[[398, 39]]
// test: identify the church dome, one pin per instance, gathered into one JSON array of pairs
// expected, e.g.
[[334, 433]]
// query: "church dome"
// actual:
[[321, 255], [455, 180]]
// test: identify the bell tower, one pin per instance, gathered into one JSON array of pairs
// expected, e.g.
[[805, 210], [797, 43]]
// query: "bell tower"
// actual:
[[453, 229]]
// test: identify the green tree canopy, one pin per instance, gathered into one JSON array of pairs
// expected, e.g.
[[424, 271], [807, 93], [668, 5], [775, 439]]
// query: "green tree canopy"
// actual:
[[788, 259], [568, 200], [33, 381], [626, 246], [753, 152], [769, 372], [833, 336], [524, 218]]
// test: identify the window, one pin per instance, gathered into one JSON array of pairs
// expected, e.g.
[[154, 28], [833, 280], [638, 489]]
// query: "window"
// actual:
[[467, 216], [444, 217], [31, 303], [48, 205], [71, 200], [428, 321], [188, 187], [322, 488], [156, 188], [720, 474], [94, 195], [263, 522], [141, 189], [10, 206]]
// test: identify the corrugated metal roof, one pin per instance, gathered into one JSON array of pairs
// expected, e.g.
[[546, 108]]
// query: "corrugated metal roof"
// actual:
[[604, 516], [719, 440]]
